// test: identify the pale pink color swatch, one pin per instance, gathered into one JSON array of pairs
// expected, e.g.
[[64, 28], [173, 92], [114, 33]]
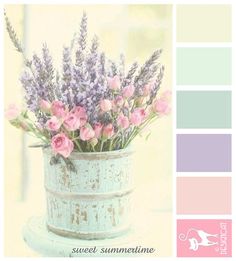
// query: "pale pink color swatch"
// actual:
[[203, 195], [204, 238]]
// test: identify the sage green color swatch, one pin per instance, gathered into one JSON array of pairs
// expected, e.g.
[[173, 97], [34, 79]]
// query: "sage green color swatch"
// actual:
[[203, 66], [203, 23], [203, 109]]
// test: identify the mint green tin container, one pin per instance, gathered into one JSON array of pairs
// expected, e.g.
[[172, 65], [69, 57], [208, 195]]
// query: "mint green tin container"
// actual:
[[95, 201]]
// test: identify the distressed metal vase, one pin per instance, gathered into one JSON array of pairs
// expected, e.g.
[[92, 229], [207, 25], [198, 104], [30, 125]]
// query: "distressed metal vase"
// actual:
[[95, 201]]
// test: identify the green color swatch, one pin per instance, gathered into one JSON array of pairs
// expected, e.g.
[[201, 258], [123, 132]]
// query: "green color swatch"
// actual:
[[203, 109], [203, 23], [203, 66]]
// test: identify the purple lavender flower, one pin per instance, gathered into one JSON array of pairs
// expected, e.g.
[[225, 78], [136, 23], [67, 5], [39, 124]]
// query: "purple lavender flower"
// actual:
[[67, 78]]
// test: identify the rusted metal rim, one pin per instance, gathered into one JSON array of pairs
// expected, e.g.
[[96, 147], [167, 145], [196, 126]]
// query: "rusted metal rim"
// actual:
[[89, 235], [103, 155], [94, 196]]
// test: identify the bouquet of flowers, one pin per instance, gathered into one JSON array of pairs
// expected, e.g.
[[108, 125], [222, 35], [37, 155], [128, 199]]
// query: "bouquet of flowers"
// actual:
[[91, 104]]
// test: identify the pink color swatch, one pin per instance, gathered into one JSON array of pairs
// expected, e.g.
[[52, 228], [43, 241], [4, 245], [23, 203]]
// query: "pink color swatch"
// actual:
[[203, 195], [204, 238]]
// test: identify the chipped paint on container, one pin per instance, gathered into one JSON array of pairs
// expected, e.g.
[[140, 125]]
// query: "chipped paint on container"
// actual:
[[95, 201]]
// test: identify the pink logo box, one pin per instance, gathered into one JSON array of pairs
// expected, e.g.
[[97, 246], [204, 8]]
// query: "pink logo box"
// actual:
[[204, 238]]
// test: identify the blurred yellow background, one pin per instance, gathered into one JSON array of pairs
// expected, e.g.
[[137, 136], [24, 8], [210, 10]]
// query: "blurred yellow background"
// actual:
[[136, 31]]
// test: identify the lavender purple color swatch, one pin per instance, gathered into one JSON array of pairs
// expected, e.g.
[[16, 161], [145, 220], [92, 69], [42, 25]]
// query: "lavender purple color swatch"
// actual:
[[203, 152]]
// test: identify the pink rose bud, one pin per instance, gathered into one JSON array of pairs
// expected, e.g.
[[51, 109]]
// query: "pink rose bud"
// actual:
[[143, 113], [105, 105], [53, 124], [93, 141], [161, 106], [123, 121], [135, 118], [86, 133], [80, 113], [12, 112], [58, 109], [61, 144], [71, 122], [138, 116], [119, 101], [108, 131], [24, 126], [147, 88], [45, 106], [113, 82], [98, 129], [128, 91]]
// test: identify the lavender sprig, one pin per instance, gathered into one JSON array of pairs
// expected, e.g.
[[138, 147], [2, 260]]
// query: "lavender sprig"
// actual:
[[122, 66], [128, 79], [48, 72], [13, 35], [83, 32], [144, 74], [66, 77], [157, 85]]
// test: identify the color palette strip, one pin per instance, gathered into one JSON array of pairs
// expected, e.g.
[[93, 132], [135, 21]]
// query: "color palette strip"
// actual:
[[203, 109], [203, 195], [203, 66], [203, 23], [201, 150]]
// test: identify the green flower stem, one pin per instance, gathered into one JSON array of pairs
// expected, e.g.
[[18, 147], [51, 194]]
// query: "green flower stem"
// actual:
[[101, 146], [78, 145], [32, 129], [110, 145], [143, 126], [139, 129], [75, 140], [39, 131]]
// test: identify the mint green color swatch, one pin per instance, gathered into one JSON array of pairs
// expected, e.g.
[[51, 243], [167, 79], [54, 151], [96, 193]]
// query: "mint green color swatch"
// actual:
[[203, 109], [203, 66]]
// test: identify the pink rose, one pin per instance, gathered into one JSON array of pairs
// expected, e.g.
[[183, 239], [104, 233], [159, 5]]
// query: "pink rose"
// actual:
[[86, 133], [138, 116], [12, 112], [53, 124], [113, 82], [161, 106], [71, 122], [80, 113], [135, 118], [98, 129], [61, 144], [128, 91], [119, 101], [143, 113], [105, 105], [123, 121], [45, 106], [58, 109], [108, 131]]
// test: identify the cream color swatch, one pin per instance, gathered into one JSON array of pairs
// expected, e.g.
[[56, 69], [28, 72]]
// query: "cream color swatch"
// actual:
[[203, 23]]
